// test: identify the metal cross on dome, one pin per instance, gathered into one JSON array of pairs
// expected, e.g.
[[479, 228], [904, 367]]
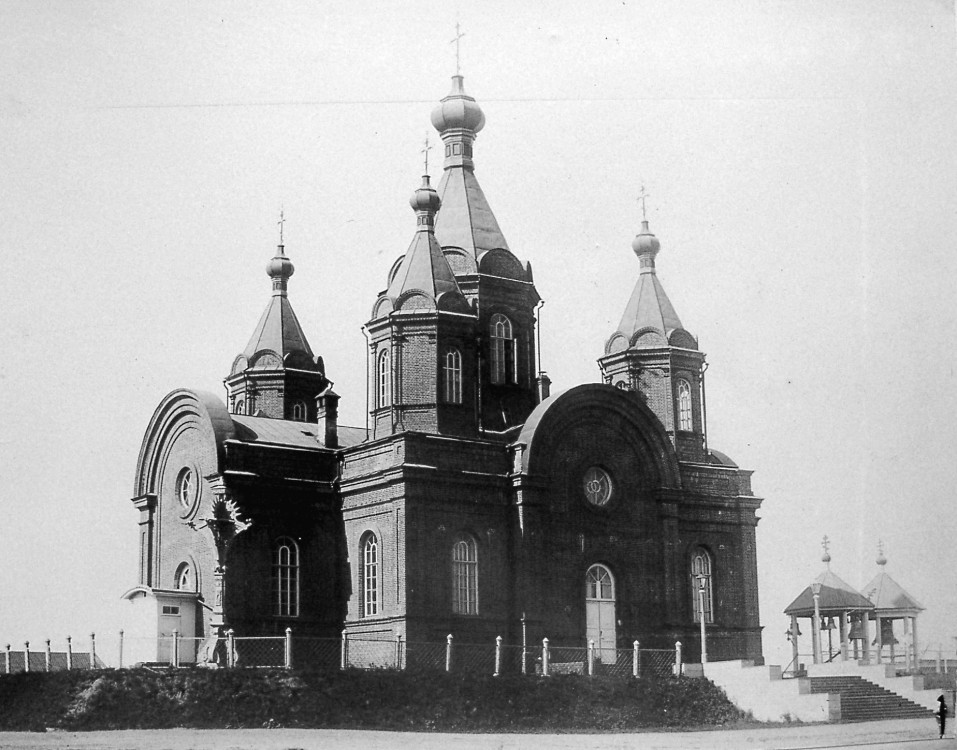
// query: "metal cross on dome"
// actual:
[[642, 197], [281, 223], [425, 151], [458, 59], [826, 544]]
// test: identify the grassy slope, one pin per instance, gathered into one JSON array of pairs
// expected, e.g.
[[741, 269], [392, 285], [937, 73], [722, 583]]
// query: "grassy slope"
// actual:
[[133, 699]]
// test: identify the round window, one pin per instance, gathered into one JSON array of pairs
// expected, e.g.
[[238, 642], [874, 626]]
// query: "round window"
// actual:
[[597, 486], [186, 487]]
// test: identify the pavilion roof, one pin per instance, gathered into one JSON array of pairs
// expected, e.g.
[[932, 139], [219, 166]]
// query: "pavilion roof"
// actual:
[[836, 596]]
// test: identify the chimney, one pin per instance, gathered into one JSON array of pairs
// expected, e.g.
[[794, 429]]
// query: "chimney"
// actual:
[[544, 386], [327, 416]]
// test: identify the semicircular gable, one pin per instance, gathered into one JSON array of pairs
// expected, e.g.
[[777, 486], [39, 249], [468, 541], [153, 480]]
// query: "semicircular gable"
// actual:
[[239, 364], [680, 337], [648, 337], [382, 307], [549, 425], [501, 262], [178, 412], [616, 343], [453, 301], [461, 262], [395, 269], [265, 359], [414, 300]]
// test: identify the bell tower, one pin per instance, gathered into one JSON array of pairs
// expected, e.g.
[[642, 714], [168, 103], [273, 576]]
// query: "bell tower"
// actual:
[[498, 286], [653, 355], [277, 375], [421, 338]]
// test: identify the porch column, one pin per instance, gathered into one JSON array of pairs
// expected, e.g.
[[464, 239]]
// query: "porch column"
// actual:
[[913, 630], [794, 641], [842, 632], [878, 638], [866, 632]]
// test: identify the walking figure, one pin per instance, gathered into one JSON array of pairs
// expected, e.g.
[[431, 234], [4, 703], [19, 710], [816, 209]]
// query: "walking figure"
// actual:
[[942, 714]]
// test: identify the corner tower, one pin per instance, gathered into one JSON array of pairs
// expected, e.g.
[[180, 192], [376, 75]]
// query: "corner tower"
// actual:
[[421, 339], [652, 354], [277, 375], [497, 285]]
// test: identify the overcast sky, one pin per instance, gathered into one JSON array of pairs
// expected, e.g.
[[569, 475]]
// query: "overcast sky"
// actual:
[[801, 164]]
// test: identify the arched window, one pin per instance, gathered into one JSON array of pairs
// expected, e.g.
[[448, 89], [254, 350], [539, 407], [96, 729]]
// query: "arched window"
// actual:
[[465, 577], [701, 580], [684, 406], [183, 579], [503, 364], [240, 407], [384, 380], [370, 575], [599, 585], [299, 411], [285, 577], [453, 376]]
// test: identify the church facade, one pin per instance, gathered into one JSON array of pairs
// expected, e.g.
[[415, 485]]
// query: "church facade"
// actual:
[[473, 502]]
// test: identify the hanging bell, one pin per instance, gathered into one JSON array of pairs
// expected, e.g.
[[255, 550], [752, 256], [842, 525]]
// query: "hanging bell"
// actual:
[[857, 630]]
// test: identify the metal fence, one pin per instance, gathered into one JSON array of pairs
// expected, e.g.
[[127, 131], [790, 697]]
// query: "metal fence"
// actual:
[[347, 652]]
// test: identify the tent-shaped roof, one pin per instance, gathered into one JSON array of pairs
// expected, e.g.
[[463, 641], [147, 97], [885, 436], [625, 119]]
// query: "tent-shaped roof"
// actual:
[[836, 596], [889, 597]]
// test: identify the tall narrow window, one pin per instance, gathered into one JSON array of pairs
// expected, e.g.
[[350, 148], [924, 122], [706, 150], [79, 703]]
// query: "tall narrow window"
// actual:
[[384, 380], [453, 376], [465, 577], [684, 406], [299, 411], [503, 364], [285, 577], [701, 585], [240, 407], [370, 575]]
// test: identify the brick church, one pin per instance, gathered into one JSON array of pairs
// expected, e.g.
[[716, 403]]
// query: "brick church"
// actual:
[[473, 501]]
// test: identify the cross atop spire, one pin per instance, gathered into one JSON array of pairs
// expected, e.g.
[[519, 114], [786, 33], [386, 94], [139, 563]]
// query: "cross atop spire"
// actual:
[[458, 50], [642, 197], [826, 557], [425, 151], [281, 223]]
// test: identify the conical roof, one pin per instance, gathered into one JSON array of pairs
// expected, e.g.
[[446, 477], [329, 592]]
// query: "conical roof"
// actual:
[[424, 272], [836, 596], [887, 595], [466, 219], [278, 331], [649, 306]]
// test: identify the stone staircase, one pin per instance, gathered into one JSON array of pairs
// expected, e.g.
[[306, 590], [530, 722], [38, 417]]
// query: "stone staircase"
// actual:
[[862, 700]]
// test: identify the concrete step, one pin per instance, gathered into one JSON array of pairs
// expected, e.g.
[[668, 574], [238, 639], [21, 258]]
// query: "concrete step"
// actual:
[[862, 700]]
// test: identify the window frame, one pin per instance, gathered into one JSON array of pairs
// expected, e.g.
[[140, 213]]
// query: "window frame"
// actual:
[[452, 371], [369, 575], [384, 379], [465, 576], [685, 406], [184, 575], [702, 563], [594, 583], [503, 351], [285, 577], [300, 411]]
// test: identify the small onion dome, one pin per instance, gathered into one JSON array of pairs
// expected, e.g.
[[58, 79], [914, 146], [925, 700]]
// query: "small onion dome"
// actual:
[[280, 267], [458, 111], [425, 198], [881, 559], [645, 243], [826, 557]]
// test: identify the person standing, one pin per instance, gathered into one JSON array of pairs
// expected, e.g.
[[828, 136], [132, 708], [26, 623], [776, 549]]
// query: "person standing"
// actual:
[[942, 713]]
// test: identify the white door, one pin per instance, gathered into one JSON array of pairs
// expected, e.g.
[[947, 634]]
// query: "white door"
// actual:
[[169, 621], [600, 612]]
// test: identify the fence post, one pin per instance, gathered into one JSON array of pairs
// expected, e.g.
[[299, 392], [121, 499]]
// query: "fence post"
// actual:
[[26, 656], [343, 651], [121, 651], [448, 653], [498, 656], [545, 657], [398, 650], [46, 657], [677, 658], [69, 652], [7, 659], [288, 654], [230, 648], [174, 661], [635, 664], [92, 650]]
